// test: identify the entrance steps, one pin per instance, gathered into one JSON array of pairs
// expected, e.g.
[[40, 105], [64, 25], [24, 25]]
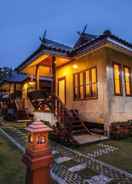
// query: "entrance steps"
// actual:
[[89, 138]]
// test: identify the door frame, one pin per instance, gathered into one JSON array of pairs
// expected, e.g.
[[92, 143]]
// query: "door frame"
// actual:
[[59, 79]]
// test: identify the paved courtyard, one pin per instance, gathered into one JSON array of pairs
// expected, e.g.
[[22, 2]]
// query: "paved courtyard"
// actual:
[[79, 165]]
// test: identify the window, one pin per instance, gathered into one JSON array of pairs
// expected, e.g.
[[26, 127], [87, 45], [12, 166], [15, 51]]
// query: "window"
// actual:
[[88, 84], [81, 85], [93, 82], [127, 80], [117, 79], [85, 84], [76, 86]]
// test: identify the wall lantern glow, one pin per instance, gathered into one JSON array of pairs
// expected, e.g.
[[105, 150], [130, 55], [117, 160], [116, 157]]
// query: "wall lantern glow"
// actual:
[[75, 66], [31, 83]]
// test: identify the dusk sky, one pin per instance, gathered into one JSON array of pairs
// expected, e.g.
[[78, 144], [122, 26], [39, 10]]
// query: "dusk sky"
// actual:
[[23, 21]]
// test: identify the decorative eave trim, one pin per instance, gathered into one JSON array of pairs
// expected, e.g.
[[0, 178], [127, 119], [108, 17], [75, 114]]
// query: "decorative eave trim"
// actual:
[[119, 44]]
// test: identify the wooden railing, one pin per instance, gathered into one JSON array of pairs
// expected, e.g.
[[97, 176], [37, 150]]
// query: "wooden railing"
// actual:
[[64, 116], [16, 94], [60, 109]]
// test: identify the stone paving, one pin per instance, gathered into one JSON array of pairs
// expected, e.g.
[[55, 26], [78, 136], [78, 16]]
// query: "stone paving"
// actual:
[[78, 167], [104, 173], [62, 159], [103, 149], [99, 179], [100, 167]]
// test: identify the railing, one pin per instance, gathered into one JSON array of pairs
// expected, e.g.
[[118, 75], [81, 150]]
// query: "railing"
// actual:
[[38, 94], [67, 119], [59, 109], [64, 115], [40, 100]]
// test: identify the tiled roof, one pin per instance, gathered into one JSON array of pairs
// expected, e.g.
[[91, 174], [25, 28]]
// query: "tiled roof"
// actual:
[[16, 77], [107, 34], [84, 43], [48, 46], [57, 45], [83, 38]]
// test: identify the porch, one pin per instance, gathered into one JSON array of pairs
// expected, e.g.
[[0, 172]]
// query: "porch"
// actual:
[[53, 106]]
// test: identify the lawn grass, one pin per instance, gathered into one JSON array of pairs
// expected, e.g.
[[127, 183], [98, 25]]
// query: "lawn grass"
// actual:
[[20, 139], [12, 170], [122, 158]]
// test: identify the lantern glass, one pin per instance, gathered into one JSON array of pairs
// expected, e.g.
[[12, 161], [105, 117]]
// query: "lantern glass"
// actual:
[[43, 139], [30, 138], [40, 139]]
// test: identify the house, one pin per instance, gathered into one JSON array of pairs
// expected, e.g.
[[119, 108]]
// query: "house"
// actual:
[[94, 76], [13, 90], [16, 82]]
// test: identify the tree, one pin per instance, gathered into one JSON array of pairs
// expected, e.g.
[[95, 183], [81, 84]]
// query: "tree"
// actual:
[[4, 73]]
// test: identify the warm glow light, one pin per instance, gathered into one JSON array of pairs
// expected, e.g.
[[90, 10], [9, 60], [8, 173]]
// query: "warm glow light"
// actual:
[[25, 86], [30, 139], [31, 83], [75, 66]]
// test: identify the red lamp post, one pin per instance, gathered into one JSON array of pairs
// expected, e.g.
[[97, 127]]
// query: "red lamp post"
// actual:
[[37, 157]]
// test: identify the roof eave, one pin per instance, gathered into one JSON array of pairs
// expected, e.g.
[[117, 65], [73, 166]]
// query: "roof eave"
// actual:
[[99, 43]]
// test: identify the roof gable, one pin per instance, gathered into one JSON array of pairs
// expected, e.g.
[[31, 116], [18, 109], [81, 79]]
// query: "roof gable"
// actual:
[[83, 38]]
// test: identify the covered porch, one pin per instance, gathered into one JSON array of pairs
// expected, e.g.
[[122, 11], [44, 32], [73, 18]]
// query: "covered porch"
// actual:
[[65, 121], [43, 66]]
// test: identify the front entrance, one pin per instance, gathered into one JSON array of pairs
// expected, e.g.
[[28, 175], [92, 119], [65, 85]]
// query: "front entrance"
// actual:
[[62, 89]]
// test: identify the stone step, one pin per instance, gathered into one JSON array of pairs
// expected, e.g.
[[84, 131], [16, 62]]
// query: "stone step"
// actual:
[[78, 167], [62, 159], [82, 131]]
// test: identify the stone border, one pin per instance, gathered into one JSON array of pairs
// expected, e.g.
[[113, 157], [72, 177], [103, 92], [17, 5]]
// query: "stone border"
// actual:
[[11, 139], [56, 178]]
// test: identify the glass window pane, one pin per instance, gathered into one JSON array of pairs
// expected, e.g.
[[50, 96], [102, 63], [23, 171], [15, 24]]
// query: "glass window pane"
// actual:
[[94, 89], [127, 80], [88, 91], [94, 81], [93, 71], [81, 84], [76, 93], [81, 79], [117, 80], [76, 80], [81, 92], [75, 86], [87, 77]]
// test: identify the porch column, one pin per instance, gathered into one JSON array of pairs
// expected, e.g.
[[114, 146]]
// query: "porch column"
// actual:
[[53, 87], [37, 77], [14, 87]]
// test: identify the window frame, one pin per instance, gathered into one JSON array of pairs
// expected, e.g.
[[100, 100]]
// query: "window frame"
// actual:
[[130, 80], [120, 79], [78, 95], [94, 83], [84, 85]]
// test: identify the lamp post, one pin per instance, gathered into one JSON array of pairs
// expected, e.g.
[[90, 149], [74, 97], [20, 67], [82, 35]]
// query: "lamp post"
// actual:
[[37, 157]]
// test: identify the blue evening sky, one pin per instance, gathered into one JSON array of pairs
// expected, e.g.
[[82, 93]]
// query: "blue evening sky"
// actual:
[[23, 21]]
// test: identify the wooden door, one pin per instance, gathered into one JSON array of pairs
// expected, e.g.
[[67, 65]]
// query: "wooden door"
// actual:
[[62, 89]]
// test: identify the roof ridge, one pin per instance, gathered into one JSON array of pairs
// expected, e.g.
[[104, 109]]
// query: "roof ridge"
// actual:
[[105, 34], [59, 43]]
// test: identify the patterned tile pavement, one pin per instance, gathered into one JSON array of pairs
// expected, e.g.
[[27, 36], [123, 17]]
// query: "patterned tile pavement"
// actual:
[[102, 170]]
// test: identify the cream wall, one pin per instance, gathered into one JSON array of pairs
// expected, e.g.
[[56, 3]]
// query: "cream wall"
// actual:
[[120, 107], [93, 110]]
